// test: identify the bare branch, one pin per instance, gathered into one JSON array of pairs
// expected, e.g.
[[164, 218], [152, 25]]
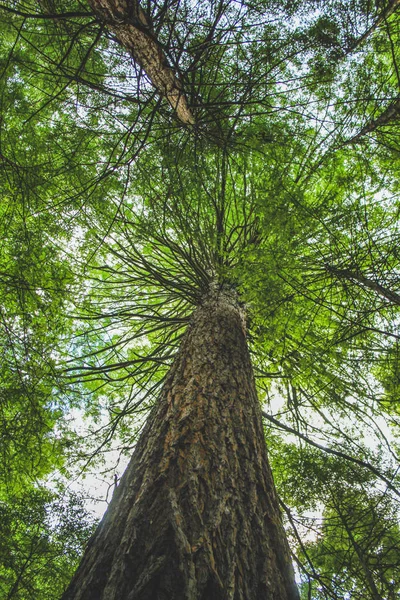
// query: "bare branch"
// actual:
[[48, 16]]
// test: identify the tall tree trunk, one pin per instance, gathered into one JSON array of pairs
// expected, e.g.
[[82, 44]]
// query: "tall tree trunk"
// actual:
[[196, 515]]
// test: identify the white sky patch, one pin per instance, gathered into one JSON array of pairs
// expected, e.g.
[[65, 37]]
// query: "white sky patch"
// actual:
[[95, 482]]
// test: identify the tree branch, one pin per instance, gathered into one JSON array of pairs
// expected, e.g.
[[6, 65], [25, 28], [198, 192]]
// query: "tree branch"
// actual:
[[390, 113], [392, 6], [365, 281]]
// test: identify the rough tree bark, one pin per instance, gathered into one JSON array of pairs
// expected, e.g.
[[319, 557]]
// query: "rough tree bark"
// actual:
[[133, 29], [196, 516]]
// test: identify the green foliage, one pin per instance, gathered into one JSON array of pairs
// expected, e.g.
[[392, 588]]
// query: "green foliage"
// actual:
[[358, 546], [33, 281], [42, 537], [350, 548]]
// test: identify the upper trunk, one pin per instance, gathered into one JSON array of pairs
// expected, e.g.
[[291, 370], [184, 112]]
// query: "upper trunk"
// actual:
[[196, 515], [133, 29]]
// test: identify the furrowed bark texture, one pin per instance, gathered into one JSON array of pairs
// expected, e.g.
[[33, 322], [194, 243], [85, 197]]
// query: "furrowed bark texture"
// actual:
[[196, 515], [133, 29]]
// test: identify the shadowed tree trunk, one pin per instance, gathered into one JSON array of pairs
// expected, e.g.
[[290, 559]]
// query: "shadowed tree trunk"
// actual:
[[196, 515]]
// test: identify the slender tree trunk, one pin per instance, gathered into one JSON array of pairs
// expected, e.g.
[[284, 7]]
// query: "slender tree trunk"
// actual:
[[389, 115], [390, 8], [133, 29], [196, 515]]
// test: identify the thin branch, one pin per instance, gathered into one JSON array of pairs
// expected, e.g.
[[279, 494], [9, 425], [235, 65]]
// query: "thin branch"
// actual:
[[338, 453], [48, 16]]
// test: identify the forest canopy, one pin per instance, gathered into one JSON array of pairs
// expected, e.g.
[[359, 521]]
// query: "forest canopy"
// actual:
[[260, 151]]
